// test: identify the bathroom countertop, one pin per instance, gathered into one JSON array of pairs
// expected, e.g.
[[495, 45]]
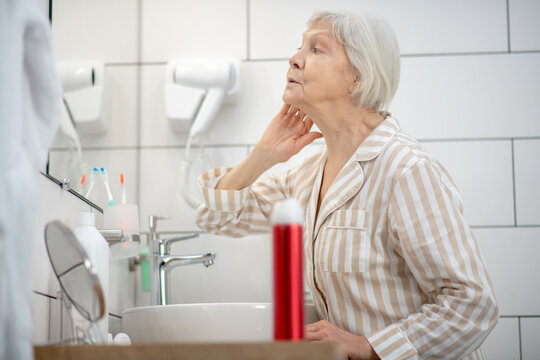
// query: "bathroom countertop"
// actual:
[[261, 351]]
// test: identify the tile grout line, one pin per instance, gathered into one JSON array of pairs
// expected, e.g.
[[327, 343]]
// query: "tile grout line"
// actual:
[[519, 337], [156, 147], [514, 183], [479, 139], [508, 24], [248, 30], [151, 147], [139, 97], [480, 227], [249, 59]]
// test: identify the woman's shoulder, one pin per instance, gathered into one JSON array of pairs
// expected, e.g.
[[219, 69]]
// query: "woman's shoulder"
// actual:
[[404, 151], [410, 159]]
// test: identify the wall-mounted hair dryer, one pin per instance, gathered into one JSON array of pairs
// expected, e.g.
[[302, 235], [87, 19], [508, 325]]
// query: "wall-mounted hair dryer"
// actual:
[[86, 89], [195, 89], [76, 76]]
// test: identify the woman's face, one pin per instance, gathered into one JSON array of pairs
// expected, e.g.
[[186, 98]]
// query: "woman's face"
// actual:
[[320, 71]]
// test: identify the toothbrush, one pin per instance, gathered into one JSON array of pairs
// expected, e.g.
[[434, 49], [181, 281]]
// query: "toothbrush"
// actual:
[[93, 175], [123, 183], [83, 182], [105, 179]]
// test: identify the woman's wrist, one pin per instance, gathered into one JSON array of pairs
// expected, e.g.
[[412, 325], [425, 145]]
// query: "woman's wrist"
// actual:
[[261, 158], [369, 352]]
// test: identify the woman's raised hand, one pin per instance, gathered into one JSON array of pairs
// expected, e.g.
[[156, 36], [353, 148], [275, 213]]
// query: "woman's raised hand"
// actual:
[[286, 135]]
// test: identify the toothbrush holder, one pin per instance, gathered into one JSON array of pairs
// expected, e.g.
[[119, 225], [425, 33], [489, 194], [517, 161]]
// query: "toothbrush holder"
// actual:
[[126, 218]]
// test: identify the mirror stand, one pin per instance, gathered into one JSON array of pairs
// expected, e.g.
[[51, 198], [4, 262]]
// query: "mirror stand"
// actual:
[[72, 327]]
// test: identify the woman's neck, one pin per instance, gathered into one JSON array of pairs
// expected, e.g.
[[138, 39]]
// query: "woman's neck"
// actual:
[[344, 127]]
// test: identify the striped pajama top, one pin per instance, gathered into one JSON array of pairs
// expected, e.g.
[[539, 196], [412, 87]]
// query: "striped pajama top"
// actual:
[[390, 255]]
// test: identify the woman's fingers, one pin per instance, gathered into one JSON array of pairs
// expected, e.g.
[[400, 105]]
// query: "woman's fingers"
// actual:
[[314, 326], [314, 336], [308, 123], [301, 116], [294, 116], [315, 331], [293, 111], [285, 109]]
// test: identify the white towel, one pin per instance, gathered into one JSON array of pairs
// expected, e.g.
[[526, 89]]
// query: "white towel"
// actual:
[[30, 94]]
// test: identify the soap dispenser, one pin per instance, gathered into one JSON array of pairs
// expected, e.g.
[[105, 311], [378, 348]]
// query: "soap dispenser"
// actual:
[[98, 252]]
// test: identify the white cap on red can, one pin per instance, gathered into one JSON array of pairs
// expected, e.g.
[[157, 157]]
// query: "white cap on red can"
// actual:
[[287, 211]]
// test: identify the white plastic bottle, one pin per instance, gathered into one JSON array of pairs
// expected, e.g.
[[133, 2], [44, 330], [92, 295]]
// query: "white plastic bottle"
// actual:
[[98, 251]]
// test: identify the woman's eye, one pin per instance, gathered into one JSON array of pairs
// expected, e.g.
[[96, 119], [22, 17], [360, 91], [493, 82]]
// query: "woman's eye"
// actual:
[[315, 50]]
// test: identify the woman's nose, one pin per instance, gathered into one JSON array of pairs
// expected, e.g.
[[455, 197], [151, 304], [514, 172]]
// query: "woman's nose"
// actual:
[[296, 61]]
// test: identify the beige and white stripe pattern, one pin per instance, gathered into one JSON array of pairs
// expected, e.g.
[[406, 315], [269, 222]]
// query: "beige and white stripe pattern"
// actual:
[[389, 256]]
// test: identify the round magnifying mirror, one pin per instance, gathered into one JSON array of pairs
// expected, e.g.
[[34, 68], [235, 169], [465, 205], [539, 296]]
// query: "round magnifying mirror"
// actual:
[[74, 271]]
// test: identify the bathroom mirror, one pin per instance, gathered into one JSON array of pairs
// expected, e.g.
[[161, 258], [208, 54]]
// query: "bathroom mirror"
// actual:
[[85, 135], [74, 271]]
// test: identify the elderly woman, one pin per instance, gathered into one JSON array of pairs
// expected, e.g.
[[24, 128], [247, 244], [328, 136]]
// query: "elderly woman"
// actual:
[[394, 269]]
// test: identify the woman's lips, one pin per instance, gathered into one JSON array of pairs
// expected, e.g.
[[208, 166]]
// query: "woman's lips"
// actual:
[[291, 80]]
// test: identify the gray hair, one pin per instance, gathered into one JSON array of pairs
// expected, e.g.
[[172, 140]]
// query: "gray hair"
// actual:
[[372, 48]]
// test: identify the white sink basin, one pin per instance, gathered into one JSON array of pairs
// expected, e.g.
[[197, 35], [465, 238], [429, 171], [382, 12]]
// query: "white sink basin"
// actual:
[[192, 323]]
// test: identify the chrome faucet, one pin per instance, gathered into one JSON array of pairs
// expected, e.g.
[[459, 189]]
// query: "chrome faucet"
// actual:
[[162, 262]]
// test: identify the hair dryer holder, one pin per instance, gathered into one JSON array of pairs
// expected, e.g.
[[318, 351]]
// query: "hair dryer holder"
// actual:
[[195, 89]]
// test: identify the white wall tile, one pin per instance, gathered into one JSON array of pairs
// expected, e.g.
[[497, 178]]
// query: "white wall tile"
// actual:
[[40, 319], [241, 271], [530, 338], [524, 26], [155, 129], [469, 96], [121, 283], [53, 204], [482, 171], [122, 113], [100, 29], [421, 26], [241, 122], [527, 172], [160, 183], [172, 28], [512, 262], [115, 161], [503, 342]]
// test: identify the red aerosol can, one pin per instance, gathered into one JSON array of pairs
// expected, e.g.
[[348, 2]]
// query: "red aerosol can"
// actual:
[[287, 218]]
